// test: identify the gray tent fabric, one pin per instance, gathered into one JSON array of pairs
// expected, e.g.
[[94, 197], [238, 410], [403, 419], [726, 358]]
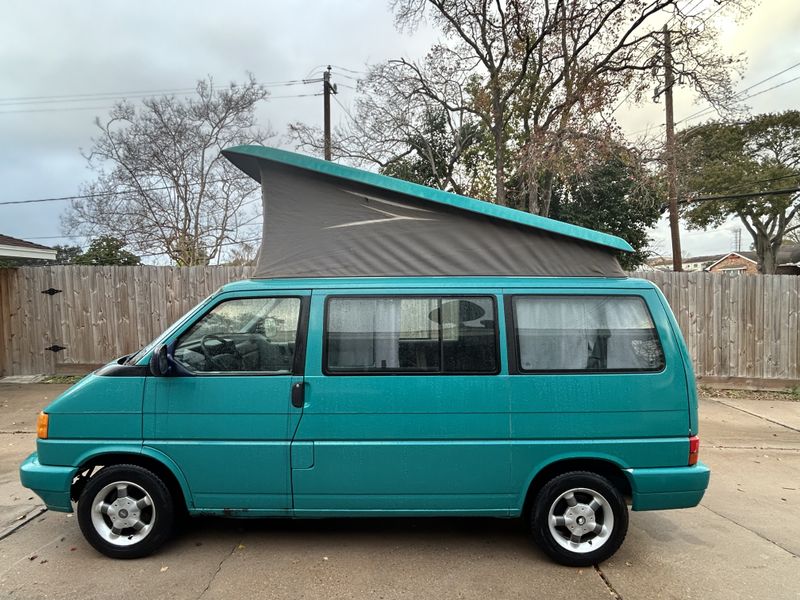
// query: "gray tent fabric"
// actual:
[[318, 225]]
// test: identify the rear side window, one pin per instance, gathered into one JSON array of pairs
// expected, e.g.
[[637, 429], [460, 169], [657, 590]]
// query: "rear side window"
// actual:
[[411, 335], [586, 334]]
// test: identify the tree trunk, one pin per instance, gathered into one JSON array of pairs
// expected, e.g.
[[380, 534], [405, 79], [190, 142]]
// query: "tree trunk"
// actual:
[[499, 150], [533, 192], [767, 252], [540, 195], [547, 194]]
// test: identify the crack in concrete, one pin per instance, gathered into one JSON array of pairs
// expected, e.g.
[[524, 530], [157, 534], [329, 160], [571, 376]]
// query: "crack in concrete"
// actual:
[[219, 568], [753, 531], [752, 414], [614, 593], [769, 448], [16, 432], [22, 521]]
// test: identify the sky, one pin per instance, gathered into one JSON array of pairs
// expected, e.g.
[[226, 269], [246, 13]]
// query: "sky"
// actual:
[[53, 49]]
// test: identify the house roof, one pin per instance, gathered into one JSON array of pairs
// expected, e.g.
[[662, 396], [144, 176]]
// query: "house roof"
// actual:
[[16, 248], [247, 159], [729, 254], [789, 254]]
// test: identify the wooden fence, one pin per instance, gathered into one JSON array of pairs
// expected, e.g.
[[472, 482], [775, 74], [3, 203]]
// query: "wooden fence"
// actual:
[[96, 314], [736, 326]]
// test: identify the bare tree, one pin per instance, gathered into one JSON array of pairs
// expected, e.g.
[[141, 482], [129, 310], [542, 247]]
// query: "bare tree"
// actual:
[[487, 43], [161, 183], [599, 52], [392, 122], [539, 79]]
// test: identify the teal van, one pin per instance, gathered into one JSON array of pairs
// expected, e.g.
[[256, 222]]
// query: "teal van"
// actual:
[[559, 399]]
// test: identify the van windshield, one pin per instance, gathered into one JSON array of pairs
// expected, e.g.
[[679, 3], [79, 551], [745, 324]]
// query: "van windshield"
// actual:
[[139, 354]]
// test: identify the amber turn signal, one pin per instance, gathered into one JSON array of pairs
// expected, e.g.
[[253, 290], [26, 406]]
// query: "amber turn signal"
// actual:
[[41, 425]]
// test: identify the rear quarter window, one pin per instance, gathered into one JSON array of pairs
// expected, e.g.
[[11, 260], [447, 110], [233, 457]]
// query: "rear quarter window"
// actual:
[[591, 334]]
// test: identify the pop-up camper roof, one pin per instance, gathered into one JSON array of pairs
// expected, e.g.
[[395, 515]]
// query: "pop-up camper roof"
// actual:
[[322, 219]]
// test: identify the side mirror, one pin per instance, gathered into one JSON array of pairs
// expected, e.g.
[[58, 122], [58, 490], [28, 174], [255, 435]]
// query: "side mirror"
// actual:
[[160, 364]]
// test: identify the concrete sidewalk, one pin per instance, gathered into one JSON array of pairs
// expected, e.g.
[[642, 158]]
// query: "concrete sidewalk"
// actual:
[[742, 542], [19, 407]]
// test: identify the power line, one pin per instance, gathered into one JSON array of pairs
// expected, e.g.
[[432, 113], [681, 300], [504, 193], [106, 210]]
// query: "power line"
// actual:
[[293, 96], [73, 108], [746, 195], [114, 193], [65, 109], [86, 97], [348, 70], [347, 76], [51, 237], [151, 254], [711, 108], [132, 93], [650, 45], [769, 180], [736, 97], [342, 106]]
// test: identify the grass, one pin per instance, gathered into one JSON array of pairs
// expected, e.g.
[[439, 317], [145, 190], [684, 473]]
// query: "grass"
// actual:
[[63, 379]]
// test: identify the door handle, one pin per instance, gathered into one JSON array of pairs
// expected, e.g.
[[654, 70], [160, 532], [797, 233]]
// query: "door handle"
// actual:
[[298, 394]]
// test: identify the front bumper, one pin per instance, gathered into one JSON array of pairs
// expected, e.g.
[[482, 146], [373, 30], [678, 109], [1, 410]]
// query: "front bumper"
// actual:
[[671, 487], [51, 484]]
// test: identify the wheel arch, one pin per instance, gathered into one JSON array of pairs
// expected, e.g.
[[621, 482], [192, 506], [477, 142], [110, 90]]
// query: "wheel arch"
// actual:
[[147, 458], [604, 465]]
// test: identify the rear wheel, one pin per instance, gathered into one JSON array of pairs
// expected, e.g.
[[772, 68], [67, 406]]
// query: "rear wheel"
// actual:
[[579, 519], [125, 511]]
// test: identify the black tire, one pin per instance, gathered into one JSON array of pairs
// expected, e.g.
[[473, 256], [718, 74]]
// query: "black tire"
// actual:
[[553, 542], [159, 514]]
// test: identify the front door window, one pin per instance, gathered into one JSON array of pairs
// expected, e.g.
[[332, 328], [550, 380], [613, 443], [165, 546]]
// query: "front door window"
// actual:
[[255, 335]]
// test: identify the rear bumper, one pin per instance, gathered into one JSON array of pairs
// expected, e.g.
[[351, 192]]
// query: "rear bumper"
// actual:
[[51, 484], [672, 487]]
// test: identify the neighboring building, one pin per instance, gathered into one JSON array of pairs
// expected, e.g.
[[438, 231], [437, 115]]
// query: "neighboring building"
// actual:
[[734, 262], [745, 262], [695, 263], [15, 248]]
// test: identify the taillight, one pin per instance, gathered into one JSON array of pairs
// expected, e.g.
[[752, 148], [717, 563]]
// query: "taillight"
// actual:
[[694, 449], [42, 425]]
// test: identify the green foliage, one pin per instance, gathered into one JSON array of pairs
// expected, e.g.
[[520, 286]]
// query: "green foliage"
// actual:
[[104, 250], [432, 152], [107, 250], [66, 255], [760, 155], [610, 198]]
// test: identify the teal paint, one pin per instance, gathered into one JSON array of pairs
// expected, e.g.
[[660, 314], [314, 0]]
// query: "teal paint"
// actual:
[[302, 455], [217, 427], [50, 483], [668, 488], [97, 406], [365, 445]]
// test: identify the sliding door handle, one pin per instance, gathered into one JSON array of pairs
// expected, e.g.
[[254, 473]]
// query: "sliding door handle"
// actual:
[[298, 394]]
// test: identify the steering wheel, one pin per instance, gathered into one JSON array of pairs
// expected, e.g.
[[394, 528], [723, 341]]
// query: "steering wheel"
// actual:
[[223, 357]]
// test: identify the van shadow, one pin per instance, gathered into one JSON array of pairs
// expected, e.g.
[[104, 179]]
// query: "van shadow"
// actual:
[[504, 535]]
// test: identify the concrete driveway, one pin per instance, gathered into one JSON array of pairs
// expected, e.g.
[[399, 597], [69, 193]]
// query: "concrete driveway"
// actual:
[[742, 542]]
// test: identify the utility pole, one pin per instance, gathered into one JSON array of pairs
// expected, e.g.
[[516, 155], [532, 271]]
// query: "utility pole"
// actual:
[[327, 89], [672, 168]]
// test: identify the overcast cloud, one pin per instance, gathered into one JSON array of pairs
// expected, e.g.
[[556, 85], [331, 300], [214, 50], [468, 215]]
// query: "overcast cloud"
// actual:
[[89, 47]]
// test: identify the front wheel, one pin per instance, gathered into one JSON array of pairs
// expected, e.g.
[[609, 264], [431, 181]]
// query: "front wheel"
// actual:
[[579, 519], [125, 511]]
